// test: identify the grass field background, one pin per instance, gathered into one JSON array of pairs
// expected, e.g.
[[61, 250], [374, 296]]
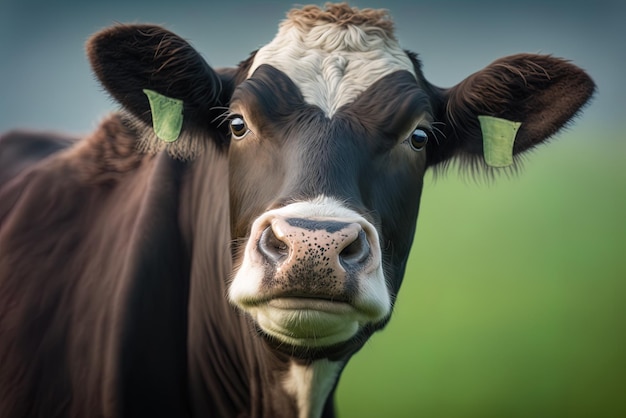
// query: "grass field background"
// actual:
[[513, 301]]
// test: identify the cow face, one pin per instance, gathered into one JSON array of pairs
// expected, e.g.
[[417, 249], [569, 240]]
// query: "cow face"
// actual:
[[330, 130], [326, 177]]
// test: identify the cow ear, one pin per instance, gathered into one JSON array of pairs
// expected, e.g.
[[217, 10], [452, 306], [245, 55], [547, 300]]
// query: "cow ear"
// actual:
[[159, 78], [510, 106]]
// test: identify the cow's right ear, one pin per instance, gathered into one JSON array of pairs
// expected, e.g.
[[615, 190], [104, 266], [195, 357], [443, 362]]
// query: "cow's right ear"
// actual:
[[149, 69]]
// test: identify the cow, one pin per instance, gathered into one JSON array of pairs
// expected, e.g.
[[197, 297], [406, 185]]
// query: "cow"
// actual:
[[227, 240]]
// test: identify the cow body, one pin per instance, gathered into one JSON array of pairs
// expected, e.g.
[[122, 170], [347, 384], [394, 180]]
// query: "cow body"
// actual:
[[234, 271]]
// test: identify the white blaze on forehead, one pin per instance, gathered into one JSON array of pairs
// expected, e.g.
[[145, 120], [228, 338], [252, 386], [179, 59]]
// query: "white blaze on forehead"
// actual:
[[332, 63]]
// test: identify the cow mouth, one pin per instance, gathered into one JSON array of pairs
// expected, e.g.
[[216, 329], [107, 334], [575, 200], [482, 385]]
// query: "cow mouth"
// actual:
[[311, 278], [307, 322]]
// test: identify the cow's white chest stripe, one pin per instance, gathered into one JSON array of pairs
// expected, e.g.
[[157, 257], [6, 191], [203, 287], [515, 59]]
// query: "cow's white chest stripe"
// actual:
[[311, 384], [330, 64]]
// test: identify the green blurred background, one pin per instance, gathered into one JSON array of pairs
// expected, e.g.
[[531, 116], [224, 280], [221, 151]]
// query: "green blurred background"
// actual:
[[513, 301]]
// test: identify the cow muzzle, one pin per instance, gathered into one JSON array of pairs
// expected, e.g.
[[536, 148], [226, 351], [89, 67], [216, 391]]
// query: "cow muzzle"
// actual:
[[312, 275]]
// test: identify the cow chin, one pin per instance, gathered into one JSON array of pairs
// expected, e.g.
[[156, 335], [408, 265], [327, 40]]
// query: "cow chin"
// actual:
[[304, 322], [310, 324], [311, 277]]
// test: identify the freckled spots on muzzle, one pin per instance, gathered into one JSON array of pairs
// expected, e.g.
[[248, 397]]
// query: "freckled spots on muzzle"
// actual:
[[314, 258]]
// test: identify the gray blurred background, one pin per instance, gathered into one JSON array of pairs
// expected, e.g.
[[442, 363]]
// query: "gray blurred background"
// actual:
[[45, 80]]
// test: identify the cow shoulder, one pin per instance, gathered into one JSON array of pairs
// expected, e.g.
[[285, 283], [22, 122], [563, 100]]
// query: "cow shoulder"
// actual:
[[21, 149]]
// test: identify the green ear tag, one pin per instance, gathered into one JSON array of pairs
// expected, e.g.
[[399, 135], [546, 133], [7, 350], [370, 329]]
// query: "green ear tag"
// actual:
[[498, 138], [167, 115]]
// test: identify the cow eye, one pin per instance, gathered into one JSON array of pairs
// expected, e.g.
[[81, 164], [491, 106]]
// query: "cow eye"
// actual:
[[418, 139], [238, 127]]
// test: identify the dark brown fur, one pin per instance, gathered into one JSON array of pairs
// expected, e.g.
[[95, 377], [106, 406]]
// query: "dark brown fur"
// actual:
[[61, 245]]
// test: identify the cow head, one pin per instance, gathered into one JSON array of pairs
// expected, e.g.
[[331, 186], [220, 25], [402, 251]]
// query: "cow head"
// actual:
[[329, 130]]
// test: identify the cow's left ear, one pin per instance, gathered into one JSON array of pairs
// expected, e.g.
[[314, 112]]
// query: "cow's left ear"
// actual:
[[511, 106], [161, 79]]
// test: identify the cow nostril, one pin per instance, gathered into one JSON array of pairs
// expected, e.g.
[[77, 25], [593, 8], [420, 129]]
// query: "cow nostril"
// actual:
[[356, 252], [271, 247]]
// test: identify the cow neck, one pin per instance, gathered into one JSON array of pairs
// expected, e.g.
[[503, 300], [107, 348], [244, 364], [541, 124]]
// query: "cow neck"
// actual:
[[215, 354], [231, 368], [311, 385], [284, 387], [152, 296]]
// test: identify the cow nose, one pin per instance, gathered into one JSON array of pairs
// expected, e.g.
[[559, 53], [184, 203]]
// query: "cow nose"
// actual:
[[356, 251], [271, 247], [288, 242]]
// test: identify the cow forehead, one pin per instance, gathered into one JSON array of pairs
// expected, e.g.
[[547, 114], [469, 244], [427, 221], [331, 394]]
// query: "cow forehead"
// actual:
[[332, 64]]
